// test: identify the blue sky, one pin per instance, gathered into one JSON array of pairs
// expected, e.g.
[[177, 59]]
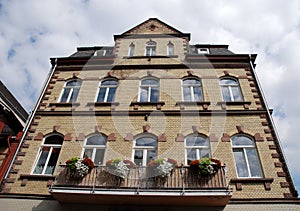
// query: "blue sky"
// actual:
[[33, 31]]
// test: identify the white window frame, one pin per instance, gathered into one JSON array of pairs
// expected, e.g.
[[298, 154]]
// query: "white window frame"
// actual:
[[144, 148], [202, 51], [52, 146], [71, 90], [94, 148], [191, 89], [151, 45], [149, 88], [244, 147], [198, 148], [230, 89], [131, 50], [107, 89]]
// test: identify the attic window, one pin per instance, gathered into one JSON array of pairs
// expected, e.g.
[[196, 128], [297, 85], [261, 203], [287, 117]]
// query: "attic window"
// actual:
[[202, 51]]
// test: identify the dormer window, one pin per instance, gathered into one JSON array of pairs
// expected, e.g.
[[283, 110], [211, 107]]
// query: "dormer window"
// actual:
[[151, 48], [202, 50], [170, 49], [131, 50]]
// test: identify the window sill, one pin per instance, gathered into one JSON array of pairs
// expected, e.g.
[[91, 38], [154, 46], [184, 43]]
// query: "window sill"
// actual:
[[37, 177], [113, 105], [223, 104], [182, 104], [26, 177], [72, 105], [239, 181], [137, 104]]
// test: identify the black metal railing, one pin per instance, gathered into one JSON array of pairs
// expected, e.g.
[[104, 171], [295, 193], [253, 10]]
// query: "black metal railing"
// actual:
[[141, 178]]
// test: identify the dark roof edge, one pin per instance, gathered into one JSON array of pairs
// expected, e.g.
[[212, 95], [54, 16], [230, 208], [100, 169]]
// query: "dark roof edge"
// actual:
[[14, 104]]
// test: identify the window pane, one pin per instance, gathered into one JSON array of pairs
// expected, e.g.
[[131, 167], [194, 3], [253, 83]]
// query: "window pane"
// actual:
[[187, 94], [240, 162], [74, 95], [145, 141], [42, 160], [191, 82], [144, 94], [226, 94], [109, 83], [198, 94], [99, 156], [237, 96], [65, 95], [154, 95], [111, 95], [138, 157], [88, 153], [149, 82], [254, 163], [74, 83], [204, 153], [242, 141], [52, 161], [196, 141], [151, 155], [228, 82], [191, 155], [170, 49], [101, 95], [54, 139], [96, 140]]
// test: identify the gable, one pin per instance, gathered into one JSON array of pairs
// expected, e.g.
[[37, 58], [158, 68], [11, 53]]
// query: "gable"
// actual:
[[153, 26]]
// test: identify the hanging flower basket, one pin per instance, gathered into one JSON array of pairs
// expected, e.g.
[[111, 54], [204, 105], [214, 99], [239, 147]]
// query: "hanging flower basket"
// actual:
[[79, 167], [161, 169], [205, 166], [117, 170]]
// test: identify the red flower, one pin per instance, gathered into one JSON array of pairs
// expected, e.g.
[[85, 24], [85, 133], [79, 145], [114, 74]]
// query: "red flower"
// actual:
[[194, 163], [216, 161], [88, 162], [131, 164]]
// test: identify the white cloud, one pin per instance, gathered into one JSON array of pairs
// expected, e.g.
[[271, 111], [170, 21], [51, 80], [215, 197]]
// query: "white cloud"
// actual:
[[34, 31]]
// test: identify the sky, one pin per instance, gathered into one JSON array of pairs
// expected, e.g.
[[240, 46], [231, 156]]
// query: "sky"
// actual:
[[33, 31]]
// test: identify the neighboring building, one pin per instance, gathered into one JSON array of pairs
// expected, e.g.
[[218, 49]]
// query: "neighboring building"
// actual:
[[152, 95], [12, 121]]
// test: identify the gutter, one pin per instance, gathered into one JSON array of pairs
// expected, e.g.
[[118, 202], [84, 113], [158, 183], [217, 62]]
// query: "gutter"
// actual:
[[32, 114]]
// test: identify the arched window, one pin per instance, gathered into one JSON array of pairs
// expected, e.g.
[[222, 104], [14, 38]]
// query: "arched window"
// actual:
[[230, 90], [144, 149], [170, 49], [196, 146], [107, 90], [246, 157], [151, 48], [48, 155], [192, 89], [149, 90], [94, 148], [70, 91], [131, 50]]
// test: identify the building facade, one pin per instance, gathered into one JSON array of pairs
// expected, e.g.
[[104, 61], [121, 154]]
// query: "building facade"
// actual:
[[165, 123], [12, 121]]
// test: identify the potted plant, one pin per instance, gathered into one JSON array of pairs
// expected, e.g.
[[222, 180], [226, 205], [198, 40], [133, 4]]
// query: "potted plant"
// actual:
[[205, 166], [161, 169], [79, 167], [117, 170]]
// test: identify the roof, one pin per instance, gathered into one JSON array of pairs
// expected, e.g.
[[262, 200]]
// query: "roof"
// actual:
[[9, 102]]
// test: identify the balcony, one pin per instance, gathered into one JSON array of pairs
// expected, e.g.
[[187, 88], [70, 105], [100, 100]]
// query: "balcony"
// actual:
[[140, 187]]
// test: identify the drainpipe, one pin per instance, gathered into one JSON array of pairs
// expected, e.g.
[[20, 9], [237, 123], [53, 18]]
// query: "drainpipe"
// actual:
[[32, 114], [292, 189]]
